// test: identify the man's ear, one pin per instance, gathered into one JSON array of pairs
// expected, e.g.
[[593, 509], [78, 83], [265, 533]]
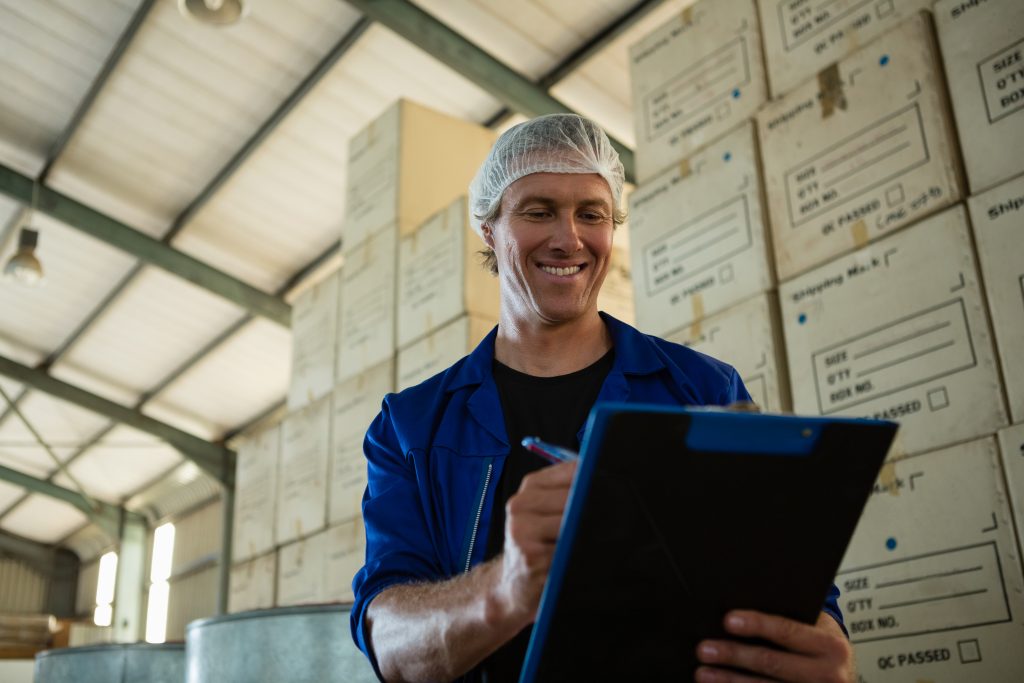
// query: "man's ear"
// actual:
[[488, 236]]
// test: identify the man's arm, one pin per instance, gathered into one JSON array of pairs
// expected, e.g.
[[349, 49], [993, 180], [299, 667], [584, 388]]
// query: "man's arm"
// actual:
[[439, 631]]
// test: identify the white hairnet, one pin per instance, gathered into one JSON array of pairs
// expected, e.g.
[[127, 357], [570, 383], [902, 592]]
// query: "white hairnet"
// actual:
[[556, 143]]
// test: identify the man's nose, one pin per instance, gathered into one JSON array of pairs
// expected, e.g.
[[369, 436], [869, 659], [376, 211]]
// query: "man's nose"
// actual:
[[566, 235]]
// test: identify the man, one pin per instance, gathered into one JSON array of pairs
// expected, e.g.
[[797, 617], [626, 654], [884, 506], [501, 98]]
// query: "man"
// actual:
[[462, 522]]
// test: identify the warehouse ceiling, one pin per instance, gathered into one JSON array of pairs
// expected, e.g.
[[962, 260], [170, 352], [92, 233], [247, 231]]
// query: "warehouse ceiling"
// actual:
[[188, 181]]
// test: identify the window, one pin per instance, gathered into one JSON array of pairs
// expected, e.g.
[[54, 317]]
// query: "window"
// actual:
[[103, 614], [159, 589]]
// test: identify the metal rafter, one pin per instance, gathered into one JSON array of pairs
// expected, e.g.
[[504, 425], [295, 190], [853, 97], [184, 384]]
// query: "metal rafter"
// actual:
[[436, 38], [105, 515]]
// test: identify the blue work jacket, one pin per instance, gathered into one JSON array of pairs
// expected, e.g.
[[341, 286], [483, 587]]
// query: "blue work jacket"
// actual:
[[436, 451]]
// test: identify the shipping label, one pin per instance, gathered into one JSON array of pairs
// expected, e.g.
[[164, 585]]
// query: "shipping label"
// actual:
[[1002, 81]]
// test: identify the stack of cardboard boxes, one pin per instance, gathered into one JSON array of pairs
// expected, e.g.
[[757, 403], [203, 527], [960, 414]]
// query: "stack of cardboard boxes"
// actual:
[[895, 298]]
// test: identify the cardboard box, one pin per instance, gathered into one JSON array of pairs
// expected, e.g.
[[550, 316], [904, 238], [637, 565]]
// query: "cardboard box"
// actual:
[[314, 330], [346, 554], [252, 584], [256, 479], [1011, 447], [356, 403], [407, 165], [998, 220], [616, 295], [437, 351], [695, 78], [802, 37], [697, 237], [366, 320], [931, 582], [440, 276], [301, 573], [983, 49], [302, 501], [865, 149], [748, 337], [898, 330]]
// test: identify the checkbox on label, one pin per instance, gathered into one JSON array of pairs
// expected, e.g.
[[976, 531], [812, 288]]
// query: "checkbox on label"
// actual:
[[894, 195], [970, 651], [723, 110], [938, 398], [725, 273], [884, 8]]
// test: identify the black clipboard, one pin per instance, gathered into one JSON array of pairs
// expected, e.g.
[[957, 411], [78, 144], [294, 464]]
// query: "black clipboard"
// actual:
[[678, 515]]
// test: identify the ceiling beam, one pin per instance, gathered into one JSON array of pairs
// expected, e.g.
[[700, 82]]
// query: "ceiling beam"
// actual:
[[448, 46], [105, 515], [215, 460], [143, 247]]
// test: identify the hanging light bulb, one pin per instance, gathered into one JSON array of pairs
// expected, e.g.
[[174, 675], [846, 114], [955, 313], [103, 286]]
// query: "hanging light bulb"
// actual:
[[24, 267], [216, 12]]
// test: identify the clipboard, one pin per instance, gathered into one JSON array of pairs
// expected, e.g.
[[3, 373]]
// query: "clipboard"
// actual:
[[678, 515]]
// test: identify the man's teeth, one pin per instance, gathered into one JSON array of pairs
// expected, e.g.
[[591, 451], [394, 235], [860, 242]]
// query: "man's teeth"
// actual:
[[572, 270]]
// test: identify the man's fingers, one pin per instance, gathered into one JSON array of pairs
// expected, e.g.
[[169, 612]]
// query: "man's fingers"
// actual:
[[523, 528], [555, 476], [788, 633], [707, 674], [763, 661]]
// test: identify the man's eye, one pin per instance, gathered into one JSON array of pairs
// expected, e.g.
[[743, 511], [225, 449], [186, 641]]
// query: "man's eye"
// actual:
[[592, 217]]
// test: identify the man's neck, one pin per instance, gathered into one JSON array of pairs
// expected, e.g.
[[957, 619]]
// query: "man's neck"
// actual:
[[549, 350]]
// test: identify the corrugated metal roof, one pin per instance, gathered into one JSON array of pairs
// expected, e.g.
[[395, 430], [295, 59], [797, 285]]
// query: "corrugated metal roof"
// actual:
[[43, 519]]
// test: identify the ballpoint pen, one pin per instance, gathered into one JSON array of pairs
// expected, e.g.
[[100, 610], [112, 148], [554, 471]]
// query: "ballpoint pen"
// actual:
[[549, 452]]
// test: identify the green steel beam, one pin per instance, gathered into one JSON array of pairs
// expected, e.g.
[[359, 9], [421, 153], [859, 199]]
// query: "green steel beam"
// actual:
[[105, 515], [144, 247], [217, 461], [437, 39]]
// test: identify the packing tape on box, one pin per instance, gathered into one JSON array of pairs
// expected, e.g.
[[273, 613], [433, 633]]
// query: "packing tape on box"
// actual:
[[830, 90], [684, 168], [859, 232], [697, 306], [688, 15], [887, 478], [298, 529]]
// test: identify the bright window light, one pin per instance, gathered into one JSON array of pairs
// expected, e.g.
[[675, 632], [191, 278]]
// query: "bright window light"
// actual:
[[105, 589], [163, 551], [103, 615], [156, 615]]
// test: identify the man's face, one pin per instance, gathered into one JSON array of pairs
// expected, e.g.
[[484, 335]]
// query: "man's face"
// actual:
[[553, 241]]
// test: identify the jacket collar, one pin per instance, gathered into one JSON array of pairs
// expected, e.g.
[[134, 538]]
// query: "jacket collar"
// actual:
[[635, 354]]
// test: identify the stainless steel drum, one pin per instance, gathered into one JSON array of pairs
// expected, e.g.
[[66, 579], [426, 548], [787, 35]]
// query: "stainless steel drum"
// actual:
[[293, 644], [113, 663]]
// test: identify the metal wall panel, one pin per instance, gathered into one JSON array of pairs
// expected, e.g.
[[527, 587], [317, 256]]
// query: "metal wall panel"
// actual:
[[22, 588], [192, 597], [85, 594], [196, 536]]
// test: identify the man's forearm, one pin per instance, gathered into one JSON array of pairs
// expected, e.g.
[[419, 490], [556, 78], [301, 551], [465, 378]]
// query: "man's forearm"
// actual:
[[439, 631]]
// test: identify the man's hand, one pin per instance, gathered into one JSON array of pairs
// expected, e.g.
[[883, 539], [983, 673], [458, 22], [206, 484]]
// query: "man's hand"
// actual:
[[532, 520], [815, 654]]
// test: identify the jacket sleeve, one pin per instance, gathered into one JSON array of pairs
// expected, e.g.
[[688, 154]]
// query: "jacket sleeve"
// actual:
[[398, 539], [735, 391]]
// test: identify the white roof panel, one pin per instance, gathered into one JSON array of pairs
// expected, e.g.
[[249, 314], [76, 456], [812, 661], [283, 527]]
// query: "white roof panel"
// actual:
[[124, 461], [67, 42], [245, 376], [9, 493], [78, 271], [184, 99], [151, 329], [600, 87], [43, 519]]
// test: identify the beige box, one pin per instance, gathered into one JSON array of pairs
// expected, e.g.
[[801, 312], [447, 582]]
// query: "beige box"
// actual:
[[437, 351], [440, 276], [802, 37], [301, 571], [314, 330], [931, 584], [407, 165], [356, 403], [983, 49], [252, 584], [346, 553], [695, 78], [697, 237], [748, 337], [865, 149], [898, 330], [1011, 446], [256, 480], [616, 295], [998, 220], [302, 500], [366, 319]]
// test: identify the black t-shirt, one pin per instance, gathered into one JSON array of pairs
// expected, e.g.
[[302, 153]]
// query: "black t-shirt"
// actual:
[[553, 409]]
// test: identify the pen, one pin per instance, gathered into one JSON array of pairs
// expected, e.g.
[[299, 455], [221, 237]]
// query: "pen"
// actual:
[[549, 452]]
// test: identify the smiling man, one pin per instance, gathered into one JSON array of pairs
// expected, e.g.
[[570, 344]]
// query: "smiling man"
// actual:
[[461, 521]]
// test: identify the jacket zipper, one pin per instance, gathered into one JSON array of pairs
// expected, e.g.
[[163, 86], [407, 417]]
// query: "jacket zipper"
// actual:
[[479, 512]]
